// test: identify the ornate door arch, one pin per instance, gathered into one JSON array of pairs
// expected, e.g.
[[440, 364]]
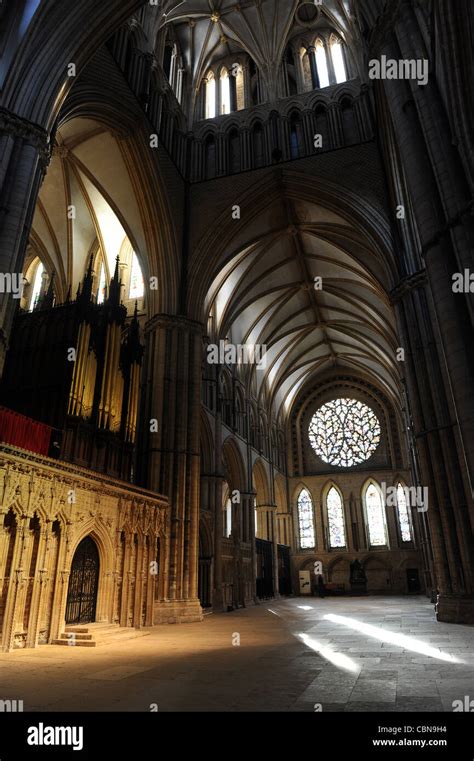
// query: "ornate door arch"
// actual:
[[83, 584]]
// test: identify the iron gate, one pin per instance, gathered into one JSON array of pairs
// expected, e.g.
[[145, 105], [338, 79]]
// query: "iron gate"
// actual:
[[83, 584]]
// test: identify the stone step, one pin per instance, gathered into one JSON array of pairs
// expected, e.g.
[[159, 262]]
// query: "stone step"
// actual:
[[90, 628], [77, 643], [94, 635], [121, 635], [77, 635]]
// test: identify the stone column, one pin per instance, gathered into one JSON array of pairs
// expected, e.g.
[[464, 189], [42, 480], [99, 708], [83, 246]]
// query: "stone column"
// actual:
[[434, 434], [246, 143], [267, 524], [215, 506], [15, 581], [61, 584], [125, 580], [309, 131], [39, 583], [436, 324], [247, 86], [24, 156], [335, 125], [233, 90], [139, 581], [247, 505], [151, 580], [170, 456], [313, 66]]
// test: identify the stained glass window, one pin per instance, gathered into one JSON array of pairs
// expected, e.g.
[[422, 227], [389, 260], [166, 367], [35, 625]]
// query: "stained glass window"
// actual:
[[338, 61], [37, 283], [344, 432], [137, 286], [227, 518], [335, 510], [375, 516], [403, 515], [102, 285], [240, 91], [225, 92], [210, 96], [306, 519], [321, 63]]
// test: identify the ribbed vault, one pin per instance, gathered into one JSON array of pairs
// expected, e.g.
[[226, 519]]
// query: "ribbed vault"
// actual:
[[209, 30], [314, 293], [92, 200]]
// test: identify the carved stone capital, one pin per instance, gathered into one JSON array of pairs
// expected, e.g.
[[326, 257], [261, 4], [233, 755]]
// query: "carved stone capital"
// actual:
[[32, 134], [407, 285]]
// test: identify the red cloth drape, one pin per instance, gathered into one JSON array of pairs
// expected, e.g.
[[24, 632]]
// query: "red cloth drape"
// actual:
[[24, 432]]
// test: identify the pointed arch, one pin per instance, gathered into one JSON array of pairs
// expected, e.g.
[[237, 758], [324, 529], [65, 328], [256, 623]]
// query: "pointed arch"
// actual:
[[226, 508], [234, 468], [261, 484], [374, 512], [305, 508], [405, 525], [210, 96], [207, 444], [333, 505], [338, 58], [321, 62], [306, 69], [224, 85]]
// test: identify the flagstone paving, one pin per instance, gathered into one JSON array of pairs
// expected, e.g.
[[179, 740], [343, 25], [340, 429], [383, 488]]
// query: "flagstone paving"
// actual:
[[298, 654]]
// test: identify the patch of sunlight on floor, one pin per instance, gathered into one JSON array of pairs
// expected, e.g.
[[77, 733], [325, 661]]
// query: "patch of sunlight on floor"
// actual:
[[337, 659], [384, 635]]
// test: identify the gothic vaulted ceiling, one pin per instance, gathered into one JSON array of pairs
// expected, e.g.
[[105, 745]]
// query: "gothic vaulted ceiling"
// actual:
[[269, 294], [80, 204], [212, 29]]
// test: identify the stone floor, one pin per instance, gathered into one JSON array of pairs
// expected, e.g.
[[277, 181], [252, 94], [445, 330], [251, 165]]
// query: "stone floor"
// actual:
[[335, 654]]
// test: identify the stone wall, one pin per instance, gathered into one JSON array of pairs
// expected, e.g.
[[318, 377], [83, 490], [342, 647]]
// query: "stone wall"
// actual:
[[47, 507]]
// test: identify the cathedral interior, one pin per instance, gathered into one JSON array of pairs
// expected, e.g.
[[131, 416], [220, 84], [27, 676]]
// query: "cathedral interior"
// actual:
[[236, 348]]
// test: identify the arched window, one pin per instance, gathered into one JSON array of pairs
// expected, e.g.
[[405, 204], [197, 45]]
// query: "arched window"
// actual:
[[137, 286], [306, 520], [289, 62], [102, 285], [225, 91], [403, 514], [375, 513], [321, 63], [240, 88], [210, 93], [227, 518], [338, 60], [306, 66], [37, 285], [335, 513], [168, 55]]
